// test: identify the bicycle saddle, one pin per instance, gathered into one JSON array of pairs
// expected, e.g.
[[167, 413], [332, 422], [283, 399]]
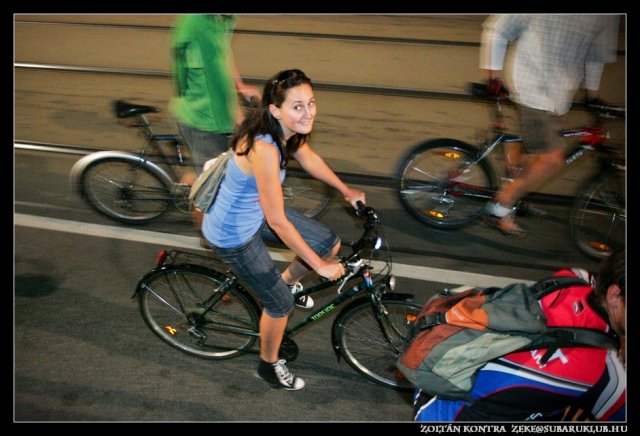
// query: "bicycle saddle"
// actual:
[[127, 110]]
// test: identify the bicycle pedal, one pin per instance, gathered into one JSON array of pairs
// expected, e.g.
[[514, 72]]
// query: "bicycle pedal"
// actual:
[[527, 210]]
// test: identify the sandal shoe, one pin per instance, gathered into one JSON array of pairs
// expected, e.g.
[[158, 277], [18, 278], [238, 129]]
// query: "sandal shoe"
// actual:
[[506, 225]]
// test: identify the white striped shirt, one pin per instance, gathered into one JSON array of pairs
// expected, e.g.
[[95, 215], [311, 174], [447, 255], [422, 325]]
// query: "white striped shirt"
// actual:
[[552, 56]]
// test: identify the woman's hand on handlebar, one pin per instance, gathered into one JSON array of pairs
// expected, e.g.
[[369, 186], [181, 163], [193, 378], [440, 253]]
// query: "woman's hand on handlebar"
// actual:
[[352, 196], [331, 269]]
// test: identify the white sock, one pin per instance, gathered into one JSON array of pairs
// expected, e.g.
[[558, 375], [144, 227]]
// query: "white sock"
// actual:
[[496, 209]]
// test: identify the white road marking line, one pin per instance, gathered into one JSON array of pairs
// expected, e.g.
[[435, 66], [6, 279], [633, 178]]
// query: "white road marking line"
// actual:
[[282, 255]]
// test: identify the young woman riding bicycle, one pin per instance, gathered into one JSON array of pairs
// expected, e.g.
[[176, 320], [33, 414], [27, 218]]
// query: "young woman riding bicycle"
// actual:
[[250, 208]]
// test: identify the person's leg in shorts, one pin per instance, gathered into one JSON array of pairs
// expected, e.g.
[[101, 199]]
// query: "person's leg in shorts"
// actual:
[[545, 145]]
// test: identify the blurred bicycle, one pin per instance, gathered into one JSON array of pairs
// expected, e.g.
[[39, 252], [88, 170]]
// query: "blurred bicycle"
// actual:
[[135, 188], [445, 182]]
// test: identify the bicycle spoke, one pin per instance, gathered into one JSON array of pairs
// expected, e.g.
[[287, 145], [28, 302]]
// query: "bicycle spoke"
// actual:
[[124, 191], [598, 217], [177, 310], [441, 185], [188, 310], [371, 350]]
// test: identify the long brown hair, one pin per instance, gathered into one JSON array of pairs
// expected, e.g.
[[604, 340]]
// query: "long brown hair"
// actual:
[[260, 120]]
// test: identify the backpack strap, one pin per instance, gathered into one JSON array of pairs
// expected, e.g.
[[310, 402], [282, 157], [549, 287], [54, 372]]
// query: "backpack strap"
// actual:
[[566, 337], [432, 320], [551, 284], [559, 337]]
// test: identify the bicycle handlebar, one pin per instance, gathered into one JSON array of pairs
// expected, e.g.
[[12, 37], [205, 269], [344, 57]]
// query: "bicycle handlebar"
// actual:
[[605, 110], [369, 238], [492, 90], [495, 90], [364, 211]]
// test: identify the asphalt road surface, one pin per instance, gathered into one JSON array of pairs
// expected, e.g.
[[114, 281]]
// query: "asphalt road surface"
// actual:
[[83, 352]]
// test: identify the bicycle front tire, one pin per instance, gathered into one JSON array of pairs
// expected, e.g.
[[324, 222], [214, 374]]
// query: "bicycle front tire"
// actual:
[[371, 342], [439, 183], [175, 304], [598, 216], [125, 190]]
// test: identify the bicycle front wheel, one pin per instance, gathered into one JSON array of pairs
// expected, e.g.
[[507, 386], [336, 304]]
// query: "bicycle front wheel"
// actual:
[[310, 196], [125, 190], [190, 311], [440, 183], [371, 341], [598, 216]]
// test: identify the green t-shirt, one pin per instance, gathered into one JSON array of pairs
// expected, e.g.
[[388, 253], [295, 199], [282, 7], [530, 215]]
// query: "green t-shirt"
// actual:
[[202, 72]]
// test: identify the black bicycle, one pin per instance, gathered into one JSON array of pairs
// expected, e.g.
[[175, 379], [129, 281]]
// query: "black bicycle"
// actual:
[[192, 304], [445, 182], [135, 188]]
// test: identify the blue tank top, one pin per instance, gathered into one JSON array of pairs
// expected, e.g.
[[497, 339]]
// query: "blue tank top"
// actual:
[[236, 214]]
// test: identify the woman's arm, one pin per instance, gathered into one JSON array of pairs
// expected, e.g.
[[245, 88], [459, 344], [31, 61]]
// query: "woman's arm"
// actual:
[[318, 168], [265, 163]]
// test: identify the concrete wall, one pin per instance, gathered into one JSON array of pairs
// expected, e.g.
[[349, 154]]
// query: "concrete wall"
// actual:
[[356, 132]]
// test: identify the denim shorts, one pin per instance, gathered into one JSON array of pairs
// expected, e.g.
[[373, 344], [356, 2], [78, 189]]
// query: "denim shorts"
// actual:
[[540, 130], [203, 145], [252, 264]]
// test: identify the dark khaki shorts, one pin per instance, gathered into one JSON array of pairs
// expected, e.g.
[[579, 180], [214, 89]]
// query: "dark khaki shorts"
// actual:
[[541, 130], [203, 145]]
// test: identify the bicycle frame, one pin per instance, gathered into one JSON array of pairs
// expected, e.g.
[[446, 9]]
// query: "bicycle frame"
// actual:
[[137, 187], [500, 138], [457, 188], [160, 156], [364, 286], [198, 306], [591, 138], [152, 157], [444, 182], [357, 270], [154, 140]]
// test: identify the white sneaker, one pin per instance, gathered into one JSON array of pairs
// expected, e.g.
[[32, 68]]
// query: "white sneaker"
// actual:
[[304, 301], [278, 376]]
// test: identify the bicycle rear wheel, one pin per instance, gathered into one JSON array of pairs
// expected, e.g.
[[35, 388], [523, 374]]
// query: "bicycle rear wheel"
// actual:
[[188, 310], [598, 216], [310, 196], [371, 342], [440, 184], [125, 190]]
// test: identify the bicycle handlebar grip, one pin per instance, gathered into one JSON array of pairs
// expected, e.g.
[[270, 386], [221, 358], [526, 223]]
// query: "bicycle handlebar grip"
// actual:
[[492, 89], [604, 109], [360, 211], [477, 89]]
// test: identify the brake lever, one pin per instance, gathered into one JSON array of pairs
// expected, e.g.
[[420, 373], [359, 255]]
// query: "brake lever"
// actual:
[[353, 268]]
